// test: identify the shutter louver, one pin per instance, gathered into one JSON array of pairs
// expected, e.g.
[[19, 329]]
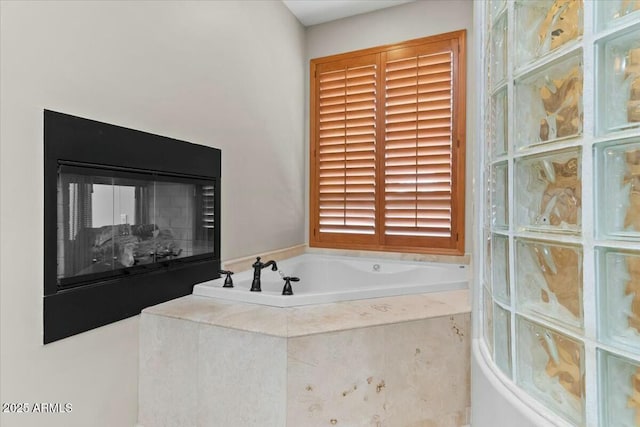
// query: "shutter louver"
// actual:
[[418, 145], [347, 150]]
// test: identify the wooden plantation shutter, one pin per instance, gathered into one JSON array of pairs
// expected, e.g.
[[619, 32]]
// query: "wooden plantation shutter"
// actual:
[[346, 149], [387, 147], [418, 176]]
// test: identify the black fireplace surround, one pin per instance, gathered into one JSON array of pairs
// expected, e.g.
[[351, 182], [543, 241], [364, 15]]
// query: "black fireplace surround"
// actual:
[[131, 219]]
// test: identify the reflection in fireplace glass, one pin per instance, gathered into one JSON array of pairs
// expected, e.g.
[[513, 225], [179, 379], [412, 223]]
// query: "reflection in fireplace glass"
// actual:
[[113, 221]]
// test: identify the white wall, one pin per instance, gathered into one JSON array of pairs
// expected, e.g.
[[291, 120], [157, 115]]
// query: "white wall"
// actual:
[[396, 24], [224, 74]]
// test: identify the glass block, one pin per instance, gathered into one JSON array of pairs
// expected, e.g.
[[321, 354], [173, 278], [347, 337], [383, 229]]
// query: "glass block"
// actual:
[[498, 130], [548, 192], [548, 102], [549, 281], [619, 87], [620, 390], [545, 25], [486, 182], [498, 66], [502, 339], [496, 7], [619, 297], [614, 12], [487, 116], [486, 175], [499, 195], [488, 257], [550, 367], [487, 331], [618, 190], [500, 267]]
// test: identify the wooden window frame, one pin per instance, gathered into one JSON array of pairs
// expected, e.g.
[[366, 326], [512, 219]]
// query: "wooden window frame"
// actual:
[[451, 245]]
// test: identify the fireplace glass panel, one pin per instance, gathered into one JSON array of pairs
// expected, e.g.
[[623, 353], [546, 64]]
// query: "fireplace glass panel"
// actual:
[[114, 222]]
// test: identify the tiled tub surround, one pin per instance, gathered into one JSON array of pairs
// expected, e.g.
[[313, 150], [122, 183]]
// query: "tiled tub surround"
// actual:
[[395, 361]]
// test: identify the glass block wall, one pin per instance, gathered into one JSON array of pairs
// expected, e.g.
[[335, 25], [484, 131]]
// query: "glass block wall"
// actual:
[[561, 222]]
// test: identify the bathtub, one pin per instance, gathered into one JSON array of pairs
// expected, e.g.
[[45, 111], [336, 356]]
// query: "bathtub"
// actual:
[[327, 279]]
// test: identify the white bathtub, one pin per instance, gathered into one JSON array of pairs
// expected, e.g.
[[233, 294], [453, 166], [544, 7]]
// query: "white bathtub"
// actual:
[[326, 279]]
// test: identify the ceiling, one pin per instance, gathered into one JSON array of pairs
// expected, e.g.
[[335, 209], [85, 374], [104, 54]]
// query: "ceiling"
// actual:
[[312, 12]]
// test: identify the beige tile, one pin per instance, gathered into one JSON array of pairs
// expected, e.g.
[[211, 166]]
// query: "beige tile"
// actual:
[[314, 319], [167, 378], [241, 379], [405, 374], [427, 371], [337, 379], [189, 308], [228, 314], [251, 317], [375, 312], [371, 362]]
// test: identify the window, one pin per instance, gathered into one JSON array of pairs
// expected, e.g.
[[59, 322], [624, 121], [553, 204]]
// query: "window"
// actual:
[[387, 147]]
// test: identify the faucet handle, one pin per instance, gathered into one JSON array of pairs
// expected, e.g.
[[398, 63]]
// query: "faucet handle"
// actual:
[[228, 282], [287, 285]]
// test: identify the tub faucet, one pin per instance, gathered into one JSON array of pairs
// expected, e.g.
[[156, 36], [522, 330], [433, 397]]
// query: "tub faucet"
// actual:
[[257, 269]]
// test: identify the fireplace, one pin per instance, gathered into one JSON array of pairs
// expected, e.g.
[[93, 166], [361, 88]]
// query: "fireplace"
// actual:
[[131, 220]]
